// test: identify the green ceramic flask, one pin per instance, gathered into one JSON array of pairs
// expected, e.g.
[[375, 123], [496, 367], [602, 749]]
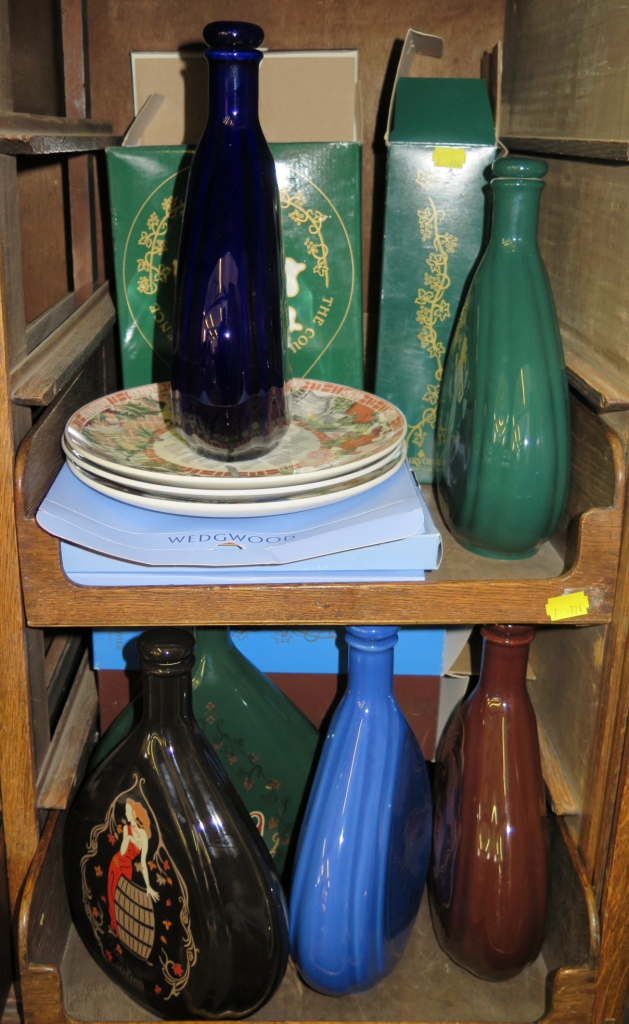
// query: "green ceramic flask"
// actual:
[[265, 744], [503, 432]]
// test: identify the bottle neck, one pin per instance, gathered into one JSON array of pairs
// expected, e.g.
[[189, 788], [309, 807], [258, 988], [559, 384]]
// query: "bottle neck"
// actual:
[[233, 85], [503, 667], [370, 674], [515, 212], [167, 698], [371, 659], [215, 639]]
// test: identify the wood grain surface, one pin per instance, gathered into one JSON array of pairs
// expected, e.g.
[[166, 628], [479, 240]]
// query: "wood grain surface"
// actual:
[[589, 149], [39, 134], [567, 664], [45, 441], [46, 371], [573, 933], [71, 744], [51, 599], [17, 754], [584, 241], [565, 70], [39, 695], [48, 321], [6, 958], [613, 976], [605, 770], [607, 838], [16, 749], [34, 63], [603, 392], [561, 797], [45, 254], [80, 185]]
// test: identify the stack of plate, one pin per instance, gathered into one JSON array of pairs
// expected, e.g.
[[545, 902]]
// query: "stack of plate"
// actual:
[[340, 443]]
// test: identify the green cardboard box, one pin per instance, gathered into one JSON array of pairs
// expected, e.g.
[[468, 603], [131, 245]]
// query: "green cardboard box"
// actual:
[[320, 196], [440, 148]]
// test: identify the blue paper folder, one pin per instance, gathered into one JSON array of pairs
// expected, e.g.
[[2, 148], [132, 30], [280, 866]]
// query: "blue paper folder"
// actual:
[[384, 535]]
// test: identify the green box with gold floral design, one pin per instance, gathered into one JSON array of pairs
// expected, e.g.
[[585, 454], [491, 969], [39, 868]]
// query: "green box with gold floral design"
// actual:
[[320, 199], [440, 150]]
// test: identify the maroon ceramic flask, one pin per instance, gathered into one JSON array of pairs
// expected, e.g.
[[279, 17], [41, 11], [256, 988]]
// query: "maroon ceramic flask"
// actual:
[[490, 876]]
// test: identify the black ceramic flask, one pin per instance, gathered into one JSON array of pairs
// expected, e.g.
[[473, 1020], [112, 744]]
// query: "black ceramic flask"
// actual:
[[171, 888]]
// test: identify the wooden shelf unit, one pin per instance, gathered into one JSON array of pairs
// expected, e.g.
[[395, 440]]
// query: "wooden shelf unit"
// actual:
[[465, 588], [63, 359]]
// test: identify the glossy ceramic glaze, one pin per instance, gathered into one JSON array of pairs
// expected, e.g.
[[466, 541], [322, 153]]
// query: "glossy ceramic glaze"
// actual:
[[264, 743], [229, 335], [334, 430], [503, 439], [171, 888], [364, 846], [489, 878]]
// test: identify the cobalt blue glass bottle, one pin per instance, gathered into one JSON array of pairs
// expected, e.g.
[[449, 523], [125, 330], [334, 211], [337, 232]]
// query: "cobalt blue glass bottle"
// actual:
[[227, 377], [364, 846]]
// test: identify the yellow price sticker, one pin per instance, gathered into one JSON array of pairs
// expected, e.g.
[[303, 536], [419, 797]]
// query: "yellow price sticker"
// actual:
[[568, 606], [449, 156]]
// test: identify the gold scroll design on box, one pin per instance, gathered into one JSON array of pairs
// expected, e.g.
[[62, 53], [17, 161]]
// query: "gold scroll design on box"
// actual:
[[433, 309], [154, 240], [301, 214]]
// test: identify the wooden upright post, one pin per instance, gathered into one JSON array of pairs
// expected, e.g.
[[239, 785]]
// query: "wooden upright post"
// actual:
[[79, 169], [19, 801]]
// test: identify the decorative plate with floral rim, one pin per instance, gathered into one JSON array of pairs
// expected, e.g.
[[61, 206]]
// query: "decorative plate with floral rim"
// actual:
[[334, 430], [294, 489], [126, 492]]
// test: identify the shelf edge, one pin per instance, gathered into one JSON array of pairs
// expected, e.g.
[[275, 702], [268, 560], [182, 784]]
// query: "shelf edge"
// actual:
[[600, 390], [588, 149], [47, 369]]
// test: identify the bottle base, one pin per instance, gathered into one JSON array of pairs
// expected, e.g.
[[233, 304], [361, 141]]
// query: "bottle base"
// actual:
[[247, 430], [503, 556], [479, 549], [256, 448], [479, 967]]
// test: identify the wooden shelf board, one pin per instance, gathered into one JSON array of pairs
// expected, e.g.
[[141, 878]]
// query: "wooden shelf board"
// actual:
[[45, 371], [50, 319], [460, 564], [61, 982], [38, 134], [589, 149], [466, 588], [425, 986], [561, 798], [600, 389], [70, 746]]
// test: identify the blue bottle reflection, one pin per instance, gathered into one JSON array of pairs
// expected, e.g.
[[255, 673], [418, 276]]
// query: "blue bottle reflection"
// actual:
[[364, 846]]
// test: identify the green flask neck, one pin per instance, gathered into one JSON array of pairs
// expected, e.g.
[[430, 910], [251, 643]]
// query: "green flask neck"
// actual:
[[216, 639], [515, 215]]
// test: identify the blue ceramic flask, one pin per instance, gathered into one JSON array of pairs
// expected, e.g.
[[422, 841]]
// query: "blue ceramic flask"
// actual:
[[227, 377], [364, 846]]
